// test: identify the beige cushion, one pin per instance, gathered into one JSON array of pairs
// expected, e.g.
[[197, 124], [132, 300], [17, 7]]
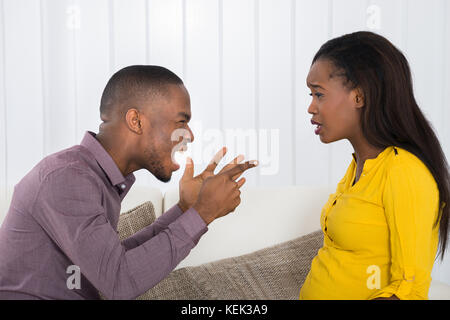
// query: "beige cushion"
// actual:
[[135, 219], [276, 272]]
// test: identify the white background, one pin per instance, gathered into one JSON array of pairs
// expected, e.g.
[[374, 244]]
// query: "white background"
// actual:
[[244, 63]]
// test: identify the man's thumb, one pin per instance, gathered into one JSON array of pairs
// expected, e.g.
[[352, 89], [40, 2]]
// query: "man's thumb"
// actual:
[[189, 170]]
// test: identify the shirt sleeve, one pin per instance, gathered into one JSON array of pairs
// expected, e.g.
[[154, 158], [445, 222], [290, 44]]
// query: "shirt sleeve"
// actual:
[[69, 208], [156, 227], [411, 200]]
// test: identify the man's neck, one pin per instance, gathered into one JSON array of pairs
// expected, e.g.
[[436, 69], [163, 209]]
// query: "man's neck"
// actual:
[[107, 143]]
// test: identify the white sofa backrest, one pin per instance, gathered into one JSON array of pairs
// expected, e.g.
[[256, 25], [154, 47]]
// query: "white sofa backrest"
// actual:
[[139, 194], [265, 217]]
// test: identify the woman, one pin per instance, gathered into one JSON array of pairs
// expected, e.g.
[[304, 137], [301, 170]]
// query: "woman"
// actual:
[[383, 224]]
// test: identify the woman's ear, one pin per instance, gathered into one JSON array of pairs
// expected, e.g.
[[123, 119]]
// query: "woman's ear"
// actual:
[[358, 98]]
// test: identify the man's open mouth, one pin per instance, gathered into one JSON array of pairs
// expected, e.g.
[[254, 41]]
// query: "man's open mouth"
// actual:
[[180, 153]]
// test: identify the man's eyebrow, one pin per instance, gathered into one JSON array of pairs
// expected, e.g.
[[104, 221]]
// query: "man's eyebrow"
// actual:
[[312, 85], [185, 115]]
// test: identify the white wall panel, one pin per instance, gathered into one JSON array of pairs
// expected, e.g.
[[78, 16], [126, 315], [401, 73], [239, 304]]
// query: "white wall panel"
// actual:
[[3, 136], [59, 25], [348, 16], [385, 17], [426, 56], [129, 33], [165, 34], [202, 77], [238, 81], [446, 90], [23, 87], [311, 154], [441, 271], [275, 91], [93, 61]]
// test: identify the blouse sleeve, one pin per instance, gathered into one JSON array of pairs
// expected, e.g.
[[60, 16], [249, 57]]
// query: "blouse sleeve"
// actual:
[[410, 200]]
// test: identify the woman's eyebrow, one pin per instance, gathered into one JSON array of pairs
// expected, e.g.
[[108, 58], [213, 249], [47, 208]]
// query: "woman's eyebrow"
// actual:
[[315, 86]]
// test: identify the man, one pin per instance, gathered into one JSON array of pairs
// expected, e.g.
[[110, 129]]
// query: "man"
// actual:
[[64, 212]]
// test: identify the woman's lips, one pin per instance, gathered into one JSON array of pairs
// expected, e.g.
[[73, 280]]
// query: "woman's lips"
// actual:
[[318, 129], [319, 126]]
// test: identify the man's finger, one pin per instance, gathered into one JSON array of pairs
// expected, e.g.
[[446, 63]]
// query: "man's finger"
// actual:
[[216, 159], [189, 170], [240, 168], [233, 163], [241, 182]]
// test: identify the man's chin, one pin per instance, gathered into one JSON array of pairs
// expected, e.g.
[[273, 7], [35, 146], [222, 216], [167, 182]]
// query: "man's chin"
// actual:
[[161, 175], [164, 179]]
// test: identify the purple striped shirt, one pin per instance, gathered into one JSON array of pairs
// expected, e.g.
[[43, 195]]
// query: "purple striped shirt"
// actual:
[[64, 213]]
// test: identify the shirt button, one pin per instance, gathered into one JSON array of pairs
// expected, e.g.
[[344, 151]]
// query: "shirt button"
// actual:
[[123, 186]]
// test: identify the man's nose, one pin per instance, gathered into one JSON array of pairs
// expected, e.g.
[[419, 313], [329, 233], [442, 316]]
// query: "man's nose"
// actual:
[[191, 135]]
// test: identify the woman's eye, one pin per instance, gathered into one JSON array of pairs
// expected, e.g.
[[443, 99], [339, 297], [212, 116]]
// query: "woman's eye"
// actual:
[[318, 95]]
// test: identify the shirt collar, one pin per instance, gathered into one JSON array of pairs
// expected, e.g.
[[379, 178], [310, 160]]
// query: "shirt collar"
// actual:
[[104, 160], [369, 163]]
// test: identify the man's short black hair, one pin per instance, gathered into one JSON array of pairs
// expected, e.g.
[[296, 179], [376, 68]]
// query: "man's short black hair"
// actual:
[[132, 83]]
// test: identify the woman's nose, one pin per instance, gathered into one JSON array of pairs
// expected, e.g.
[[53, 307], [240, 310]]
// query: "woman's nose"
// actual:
[[312, 108]]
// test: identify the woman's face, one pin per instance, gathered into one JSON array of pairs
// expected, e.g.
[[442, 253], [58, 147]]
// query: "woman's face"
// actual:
[[333, 105]]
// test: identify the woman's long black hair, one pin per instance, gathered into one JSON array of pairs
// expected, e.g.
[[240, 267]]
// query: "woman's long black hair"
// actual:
[[391, 116]]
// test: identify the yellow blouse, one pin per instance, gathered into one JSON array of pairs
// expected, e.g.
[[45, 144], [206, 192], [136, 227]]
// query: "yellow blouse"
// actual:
[[379, 234]]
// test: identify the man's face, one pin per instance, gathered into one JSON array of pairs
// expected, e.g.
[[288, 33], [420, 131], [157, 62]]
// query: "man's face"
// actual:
[[166, 132]]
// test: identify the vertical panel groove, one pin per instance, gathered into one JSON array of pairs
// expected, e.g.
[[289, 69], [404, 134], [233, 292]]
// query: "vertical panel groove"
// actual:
[[5, 123], [330, 146], [330, 19], [293, 90], [183, 31], [147, 32], [111, 36], [445, 75], [75, 75], [404, 18], [45, 111], [257, 83], [220, 39]]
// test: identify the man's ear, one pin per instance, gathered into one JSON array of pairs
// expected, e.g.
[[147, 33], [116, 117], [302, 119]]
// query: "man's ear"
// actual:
[[133, 120]]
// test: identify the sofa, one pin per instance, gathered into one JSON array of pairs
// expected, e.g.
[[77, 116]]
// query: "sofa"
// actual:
[[262, 250]]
